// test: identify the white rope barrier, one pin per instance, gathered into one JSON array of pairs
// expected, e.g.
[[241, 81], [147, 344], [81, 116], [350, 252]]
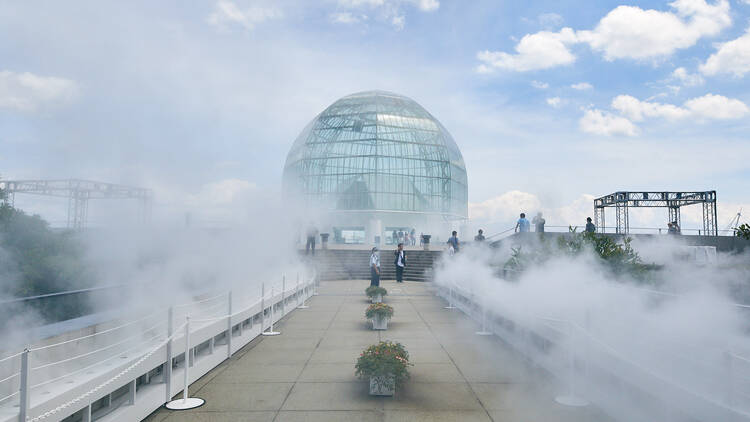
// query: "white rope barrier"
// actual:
[[104, 384], [47, 365], [109, 330], [10, 377], [197, 302], [9, 396], [10, 357], [99, 362]]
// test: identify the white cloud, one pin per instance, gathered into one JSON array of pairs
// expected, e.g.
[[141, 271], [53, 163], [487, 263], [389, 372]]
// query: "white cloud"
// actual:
[[604, 123], [712, 106], [550, 20], [731, 57], [27, 92], [539, 84], [637, 110], [554, 101], [582, 86], [505, 208], [390, 11], [687, 79], [631, 32], [709, 106], [345, 18], [227, 13], [542, 50], [428, 5], [398, 22], [626, 32]]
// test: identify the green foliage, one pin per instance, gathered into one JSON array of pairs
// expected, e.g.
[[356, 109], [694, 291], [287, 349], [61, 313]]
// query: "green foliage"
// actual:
[[38, 260], [619, 258], [743, 231], [373, 291], [380, 310], [383, 359]]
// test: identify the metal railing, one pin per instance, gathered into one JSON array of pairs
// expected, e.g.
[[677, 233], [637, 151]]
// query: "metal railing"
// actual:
[[580, 358], [54, 381]]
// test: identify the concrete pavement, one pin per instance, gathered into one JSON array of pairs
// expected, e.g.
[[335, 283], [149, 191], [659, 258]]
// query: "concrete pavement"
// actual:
[[307, 373]]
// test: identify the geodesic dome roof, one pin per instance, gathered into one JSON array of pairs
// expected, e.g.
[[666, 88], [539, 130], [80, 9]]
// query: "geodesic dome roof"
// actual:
[[378, 151]]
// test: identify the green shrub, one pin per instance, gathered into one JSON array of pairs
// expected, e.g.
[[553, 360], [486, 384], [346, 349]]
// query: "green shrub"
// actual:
[[373, 291], [743, 231]]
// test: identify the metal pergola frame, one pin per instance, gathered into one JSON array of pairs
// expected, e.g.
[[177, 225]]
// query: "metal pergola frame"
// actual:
[[78, 192], [622, 201]]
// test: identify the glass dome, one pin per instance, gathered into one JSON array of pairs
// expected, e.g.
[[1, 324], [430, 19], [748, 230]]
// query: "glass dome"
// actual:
[[378, 151]]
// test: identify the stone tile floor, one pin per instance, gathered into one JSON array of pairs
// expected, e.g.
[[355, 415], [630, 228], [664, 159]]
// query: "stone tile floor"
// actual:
[[307, 373]]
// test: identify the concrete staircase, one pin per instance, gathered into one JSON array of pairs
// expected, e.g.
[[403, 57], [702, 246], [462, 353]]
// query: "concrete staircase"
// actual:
[[353, 264]]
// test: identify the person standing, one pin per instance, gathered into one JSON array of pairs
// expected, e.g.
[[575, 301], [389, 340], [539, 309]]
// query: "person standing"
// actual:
[[413, 237], [480, 236], [522, 225], [374, 268], [400, 263], [312, 233], [453, 241], [538, 223], [590, 227]]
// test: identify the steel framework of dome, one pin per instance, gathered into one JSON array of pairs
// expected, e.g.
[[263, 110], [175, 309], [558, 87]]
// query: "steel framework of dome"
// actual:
[[378, 152]]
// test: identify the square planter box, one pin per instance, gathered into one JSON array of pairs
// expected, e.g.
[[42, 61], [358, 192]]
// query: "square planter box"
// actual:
[[377, 299], [382, 385], [379, 323]]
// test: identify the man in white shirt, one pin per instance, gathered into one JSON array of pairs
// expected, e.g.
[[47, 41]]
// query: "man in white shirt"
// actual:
[[400, 263], [374, 268]]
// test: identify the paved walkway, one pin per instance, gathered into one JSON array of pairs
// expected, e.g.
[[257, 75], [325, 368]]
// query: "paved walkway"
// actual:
[[307, 373]]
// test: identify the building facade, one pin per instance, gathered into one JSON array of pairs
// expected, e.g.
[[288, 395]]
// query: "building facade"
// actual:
[[374, 163]]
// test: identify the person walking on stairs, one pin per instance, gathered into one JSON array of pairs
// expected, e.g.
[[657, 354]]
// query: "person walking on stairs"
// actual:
[[400, 263]]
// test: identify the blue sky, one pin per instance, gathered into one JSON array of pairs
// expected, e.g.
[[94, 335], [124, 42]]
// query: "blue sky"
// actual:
[[550, 102]]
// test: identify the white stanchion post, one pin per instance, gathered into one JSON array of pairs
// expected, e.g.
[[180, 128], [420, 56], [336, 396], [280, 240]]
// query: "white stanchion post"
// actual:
[[229, 325], [168, 361], [304, 295], [571, 399], [283, 293], [186, 402], [450, 298], [23, 390], [271, 332], [263, 307], [315, 285], [484, 331]]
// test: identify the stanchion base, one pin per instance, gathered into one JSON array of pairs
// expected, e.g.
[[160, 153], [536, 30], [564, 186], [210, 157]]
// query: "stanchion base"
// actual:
[[450, 307], [271, 333], [185, 404], [302, 307], [572, 401], [483, 333]]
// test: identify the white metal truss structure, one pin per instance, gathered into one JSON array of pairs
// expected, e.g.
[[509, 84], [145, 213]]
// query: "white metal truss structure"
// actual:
[[78, 192]]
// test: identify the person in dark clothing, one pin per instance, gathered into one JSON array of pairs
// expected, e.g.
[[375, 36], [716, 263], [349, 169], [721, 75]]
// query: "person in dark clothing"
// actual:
[[312, 233], [538, 222], [400, 263], [374, 268], [590, 227], [480, 236]]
